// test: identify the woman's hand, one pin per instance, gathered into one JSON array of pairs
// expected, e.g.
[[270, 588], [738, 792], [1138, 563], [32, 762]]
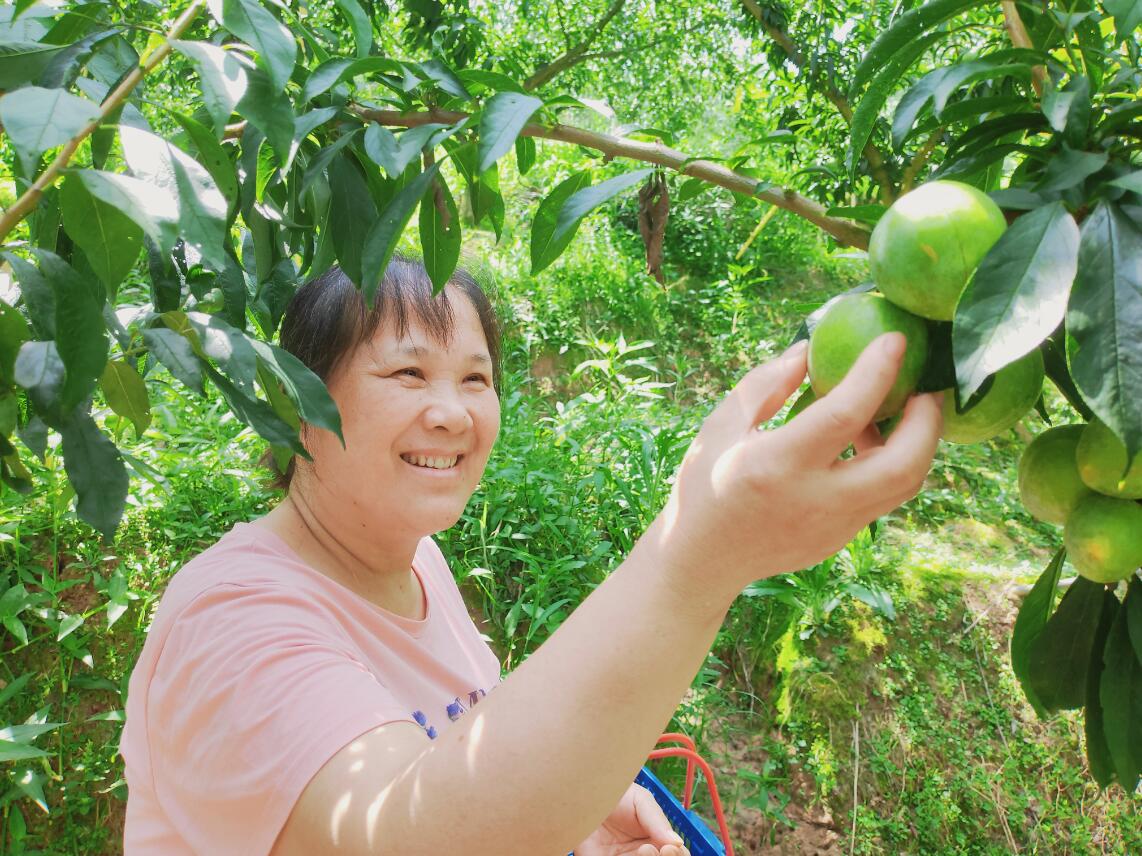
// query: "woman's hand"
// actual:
[[749, 504], [637, 827]]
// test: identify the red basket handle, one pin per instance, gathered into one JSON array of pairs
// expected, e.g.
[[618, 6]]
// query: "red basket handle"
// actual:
[[688, 752]]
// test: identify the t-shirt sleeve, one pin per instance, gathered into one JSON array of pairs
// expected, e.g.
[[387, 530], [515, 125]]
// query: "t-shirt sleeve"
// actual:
[[255, 689]]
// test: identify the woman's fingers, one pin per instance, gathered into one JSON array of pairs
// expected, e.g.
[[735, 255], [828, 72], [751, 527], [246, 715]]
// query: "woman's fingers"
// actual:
[[763, 390], [651, 819], [830, 425], [882, 478]]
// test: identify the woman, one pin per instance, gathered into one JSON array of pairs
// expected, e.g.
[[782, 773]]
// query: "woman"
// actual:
[[312, 684]]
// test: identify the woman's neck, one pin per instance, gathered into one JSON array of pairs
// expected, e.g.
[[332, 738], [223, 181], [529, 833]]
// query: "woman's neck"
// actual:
[[353, 556]]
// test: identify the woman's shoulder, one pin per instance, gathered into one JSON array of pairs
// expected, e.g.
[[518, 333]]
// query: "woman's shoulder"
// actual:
[[246, 557]]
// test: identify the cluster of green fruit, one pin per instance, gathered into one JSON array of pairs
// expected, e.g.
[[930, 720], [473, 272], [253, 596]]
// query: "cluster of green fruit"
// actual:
[[922, 254], [1076, 475]]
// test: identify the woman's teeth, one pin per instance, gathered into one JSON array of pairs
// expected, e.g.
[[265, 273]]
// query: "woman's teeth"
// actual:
[[432, 463]]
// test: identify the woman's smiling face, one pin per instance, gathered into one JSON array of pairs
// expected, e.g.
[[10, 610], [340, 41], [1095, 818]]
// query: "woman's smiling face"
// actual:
[[419, 418]]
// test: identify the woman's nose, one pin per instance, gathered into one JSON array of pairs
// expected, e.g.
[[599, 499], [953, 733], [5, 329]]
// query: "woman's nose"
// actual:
[[446, 410]]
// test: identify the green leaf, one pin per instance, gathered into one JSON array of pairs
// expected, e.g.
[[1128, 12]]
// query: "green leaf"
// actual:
[[305, 125], [96, 471], [211, 155], [22, 62], [351, 214], [81, 335], [322, 159], [305, 389], [229, 347], [883, 84], [1132, 181], [1029, 623], [1134, 617], [39, 370], [14, 331], [12, 751], [38, 297], [1017, 296], [937, 85], [439, 233], [690, 188], [359, 23], [154, 210], [524, 154], [202, 207], [860, 213], [257, 414], [1127, 16], [545, 248], [14, 687], [340, 69], [126, 394], [494, 81], [442, 76], [501, 120], [1097, 750], [223, 80], [325, 77], [483, 188], [37, 119], [580, 203], [1070, 169], [903, 33], [175, 352], [68, 625], [270, 111], [383, 237], [261, 30], [1068, 109], [394, 153], [1104, 322], [1120, 692], [110, 240], [1060, 656]]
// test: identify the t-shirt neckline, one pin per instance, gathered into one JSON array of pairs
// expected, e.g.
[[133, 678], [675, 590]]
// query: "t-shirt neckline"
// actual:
[[278, 544]]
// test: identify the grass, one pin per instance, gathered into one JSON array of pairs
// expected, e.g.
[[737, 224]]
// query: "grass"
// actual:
[[831, 723]]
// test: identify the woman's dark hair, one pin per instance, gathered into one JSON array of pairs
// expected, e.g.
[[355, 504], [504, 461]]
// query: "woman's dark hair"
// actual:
[[327, 320]]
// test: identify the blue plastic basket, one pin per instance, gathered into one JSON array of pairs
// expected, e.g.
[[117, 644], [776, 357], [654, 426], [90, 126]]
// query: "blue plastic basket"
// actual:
[[698, 837]]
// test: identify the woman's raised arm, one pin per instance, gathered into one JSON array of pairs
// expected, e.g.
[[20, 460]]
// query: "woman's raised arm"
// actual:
[[542, 760]]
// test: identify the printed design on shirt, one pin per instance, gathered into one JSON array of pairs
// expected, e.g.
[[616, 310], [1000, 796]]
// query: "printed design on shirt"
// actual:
[[453, 710]]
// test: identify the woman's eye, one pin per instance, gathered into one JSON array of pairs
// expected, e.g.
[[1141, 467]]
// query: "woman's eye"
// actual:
[[409, 372], [478, 378]]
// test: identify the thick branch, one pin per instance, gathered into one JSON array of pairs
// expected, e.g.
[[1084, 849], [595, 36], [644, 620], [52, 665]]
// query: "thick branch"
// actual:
[[31, 197], [575, 55], [845, 231], [1018, 34], [871, 153]]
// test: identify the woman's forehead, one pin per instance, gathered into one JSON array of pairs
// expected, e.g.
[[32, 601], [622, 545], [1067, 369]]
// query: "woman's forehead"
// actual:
[[420, 340]]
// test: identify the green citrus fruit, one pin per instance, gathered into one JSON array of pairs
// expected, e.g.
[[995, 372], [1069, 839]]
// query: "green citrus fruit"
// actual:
[[925, 248], [1103, 537], [847, 328], [1014, 391], [1102, 463], [1049, 482]]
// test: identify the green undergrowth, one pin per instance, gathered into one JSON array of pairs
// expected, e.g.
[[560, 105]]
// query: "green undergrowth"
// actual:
[[917, 722]]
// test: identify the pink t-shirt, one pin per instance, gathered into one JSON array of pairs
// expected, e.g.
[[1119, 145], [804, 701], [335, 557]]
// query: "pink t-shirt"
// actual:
[[257, 670]]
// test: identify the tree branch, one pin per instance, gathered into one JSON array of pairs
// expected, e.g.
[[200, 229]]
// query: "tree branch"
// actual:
[[871, 153], [574, 55], [1019, 38], [31, 197], [919, 159], [845, 231]]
